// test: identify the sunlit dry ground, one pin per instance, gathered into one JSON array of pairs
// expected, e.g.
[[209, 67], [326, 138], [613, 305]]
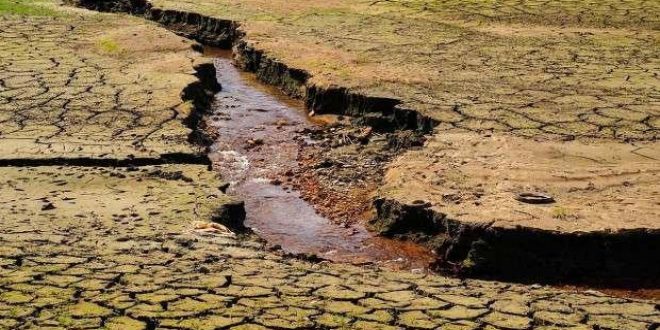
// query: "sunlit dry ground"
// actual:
[[118, 248], [561, 68], [557, 98]]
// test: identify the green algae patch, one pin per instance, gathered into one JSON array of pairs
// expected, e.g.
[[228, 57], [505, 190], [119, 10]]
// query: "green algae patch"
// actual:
[[26, 8], [418, 320], [458, 313], [109, 46], [339, 293]]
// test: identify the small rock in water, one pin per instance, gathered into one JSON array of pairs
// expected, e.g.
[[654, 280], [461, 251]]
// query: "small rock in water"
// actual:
[[251, 143], [280, 123]]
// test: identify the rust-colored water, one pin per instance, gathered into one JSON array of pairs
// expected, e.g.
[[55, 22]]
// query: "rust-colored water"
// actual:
[[258, 129]]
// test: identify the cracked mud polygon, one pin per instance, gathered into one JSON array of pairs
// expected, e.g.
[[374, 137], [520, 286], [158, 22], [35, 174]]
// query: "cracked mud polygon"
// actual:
[[109, 201]]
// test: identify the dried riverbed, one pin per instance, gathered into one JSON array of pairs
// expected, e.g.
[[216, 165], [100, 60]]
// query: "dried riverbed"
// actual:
[[103, 228], [309, 181], [263, 146]]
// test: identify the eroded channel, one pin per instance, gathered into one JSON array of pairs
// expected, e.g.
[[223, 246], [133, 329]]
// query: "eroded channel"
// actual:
[[259, 134]]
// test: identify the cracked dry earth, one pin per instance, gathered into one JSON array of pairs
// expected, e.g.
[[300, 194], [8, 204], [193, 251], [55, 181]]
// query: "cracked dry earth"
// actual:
[[557, 69], [558, 98], [69, 90], [86, 247]]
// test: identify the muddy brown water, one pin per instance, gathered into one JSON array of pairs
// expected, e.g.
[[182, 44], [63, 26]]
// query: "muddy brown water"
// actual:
[[258, 138]]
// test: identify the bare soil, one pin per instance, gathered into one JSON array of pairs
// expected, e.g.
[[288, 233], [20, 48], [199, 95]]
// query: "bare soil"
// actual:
[[596, 186], [561, 70]]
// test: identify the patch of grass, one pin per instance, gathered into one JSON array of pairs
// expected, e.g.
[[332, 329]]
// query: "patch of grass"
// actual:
[[64, 319], [25, 8], [109, 46], [561, 213]]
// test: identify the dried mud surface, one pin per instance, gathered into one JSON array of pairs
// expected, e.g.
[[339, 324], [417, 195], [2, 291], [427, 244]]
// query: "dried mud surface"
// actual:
[[129, 268], [481, 69], [477, 66], [75, 90], [460, 195], [132, 247], [596, 187]]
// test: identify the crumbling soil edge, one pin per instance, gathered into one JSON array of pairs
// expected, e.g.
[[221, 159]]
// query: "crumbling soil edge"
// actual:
[[381, 113], [525, 254], [163, 159], [521, 254], [200, 93]]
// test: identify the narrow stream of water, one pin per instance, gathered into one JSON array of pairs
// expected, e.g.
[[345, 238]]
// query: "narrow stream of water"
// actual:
[[258, 137], [258, 132]]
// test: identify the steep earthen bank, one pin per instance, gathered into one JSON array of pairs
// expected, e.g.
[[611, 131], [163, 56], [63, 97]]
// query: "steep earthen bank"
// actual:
[[523, 253], [200, 95], [119, 248], [380, 112], [520, 253]]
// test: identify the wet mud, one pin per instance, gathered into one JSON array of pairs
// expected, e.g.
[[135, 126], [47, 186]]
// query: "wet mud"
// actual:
[[259, 135]]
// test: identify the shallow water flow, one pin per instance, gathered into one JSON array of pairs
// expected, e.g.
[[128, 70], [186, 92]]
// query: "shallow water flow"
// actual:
[[258, 138]]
